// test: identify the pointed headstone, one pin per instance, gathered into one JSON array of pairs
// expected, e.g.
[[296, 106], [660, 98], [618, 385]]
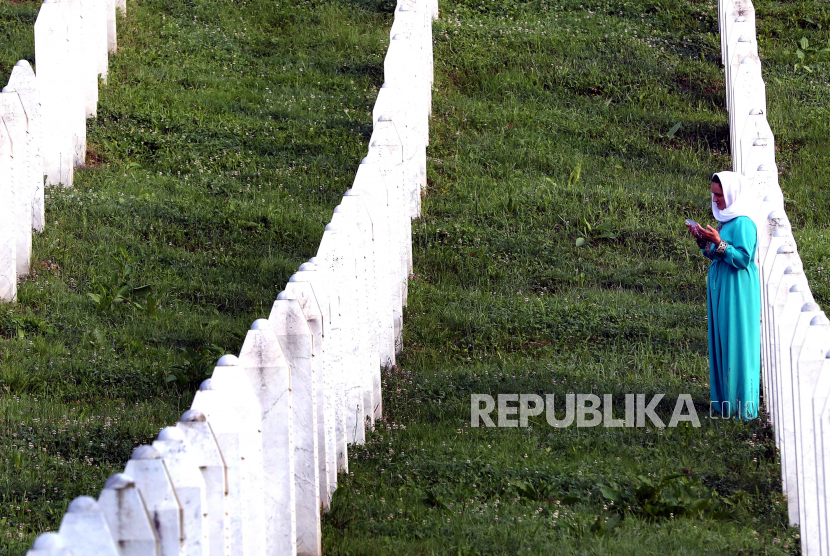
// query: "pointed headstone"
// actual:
[[153, 482], [17, 126], [24, 82], [54, 66], [127, 517], [186, 477], [208, 457], [85, 530], [8, 223]]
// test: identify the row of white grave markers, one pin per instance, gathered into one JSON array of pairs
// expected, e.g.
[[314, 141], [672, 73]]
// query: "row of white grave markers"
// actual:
[[795, 333], [249, 468], [43, 120]]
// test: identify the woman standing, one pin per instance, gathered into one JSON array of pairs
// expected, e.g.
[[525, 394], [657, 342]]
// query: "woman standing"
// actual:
[[733, 298]]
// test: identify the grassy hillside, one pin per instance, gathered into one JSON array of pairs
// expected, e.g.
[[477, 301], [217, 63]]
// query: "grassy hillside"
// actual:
[[553, 122], [226, 134]]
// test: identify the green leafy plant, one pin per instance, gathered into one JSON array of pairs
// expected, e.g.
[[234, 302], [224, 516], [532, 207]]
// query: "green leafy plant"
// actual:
[[669, 496], [603, 230], [197, 366], [673, 131], [118, 290], [808, 55]]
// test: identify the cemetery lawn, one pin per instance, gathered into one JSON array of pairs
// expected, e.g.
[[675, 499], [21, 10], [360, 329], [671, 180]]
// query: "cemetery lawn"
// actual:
[[551, 122], [226, 135]]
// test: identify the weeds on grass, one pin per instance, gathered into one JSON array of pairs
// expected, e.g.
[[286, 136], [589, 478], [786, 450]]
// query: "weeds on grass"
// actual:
[[666, 497]]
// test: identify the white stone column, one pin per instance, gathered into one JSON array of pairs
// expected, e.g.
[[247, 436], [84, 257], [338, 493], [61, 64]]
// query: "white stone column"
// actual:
[[382, 340], [385, 150], [153, 482], [54, 70], [739, 20], [777, 296], [741, 46], [263, 364], [756, 128], [808, 361], [369, 183], [75, 86], [230, 434], [775, 220], [748, 92], [329, 262], [208, 456], [127, 517], [99, 37], [288, 321], [359, 233], [24, 82], [14, 117], [785, 272], [821, 425], [49, 544], [238, 405], [87, 65], [112, 37], [337, 250], [801, 323], [403, 68], [190, 488], [85, 530], [8, 237], [786, 324], [307, 284], [392, 102]]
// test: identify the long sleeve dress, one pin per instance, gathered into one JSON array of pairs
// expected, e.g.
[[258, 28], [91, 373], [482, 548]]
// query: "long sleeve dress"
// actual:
[[733, 294]]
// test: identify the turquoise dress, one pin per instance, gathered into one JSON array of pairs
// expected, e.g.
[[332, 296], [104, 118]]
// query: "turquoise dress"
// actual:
[[733, 300]]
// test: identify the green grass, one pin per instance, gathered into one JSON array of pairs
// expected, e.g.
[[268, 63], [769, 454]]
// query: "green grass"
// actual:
[[225, 136], [552, 119], [222, 144]]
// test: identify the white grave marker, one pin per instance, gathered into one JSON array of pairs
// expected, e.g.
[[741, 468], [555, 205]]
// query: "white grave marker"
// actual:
[[306, 282], [329, 262], [336, 250], [8, 223], [239, 398], [190, 487], [14, 116], [303, 293], [263, 364], [370, 184], [808, 362], [381, 344], [49, 544], [76, 113], [25, 84], [112, 37], [365, 343], [54, 69], [232, 440], [127, 517], [85, 530], [208, 456], [153, 482], [288, 321]]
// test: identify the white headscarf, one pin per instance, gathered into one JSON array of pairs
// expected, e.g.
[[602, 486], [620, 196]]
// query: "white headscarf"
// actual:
[[740, 199]]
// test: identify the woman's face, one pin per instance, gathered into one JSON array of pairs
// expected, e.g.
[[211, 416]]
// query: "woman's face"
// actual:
[[717, 195]]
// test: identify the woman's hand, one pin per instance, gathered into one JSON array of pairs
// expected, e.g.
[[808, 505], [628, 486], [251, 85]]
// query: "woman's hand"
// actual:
[[710, 234], [695, 230]]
